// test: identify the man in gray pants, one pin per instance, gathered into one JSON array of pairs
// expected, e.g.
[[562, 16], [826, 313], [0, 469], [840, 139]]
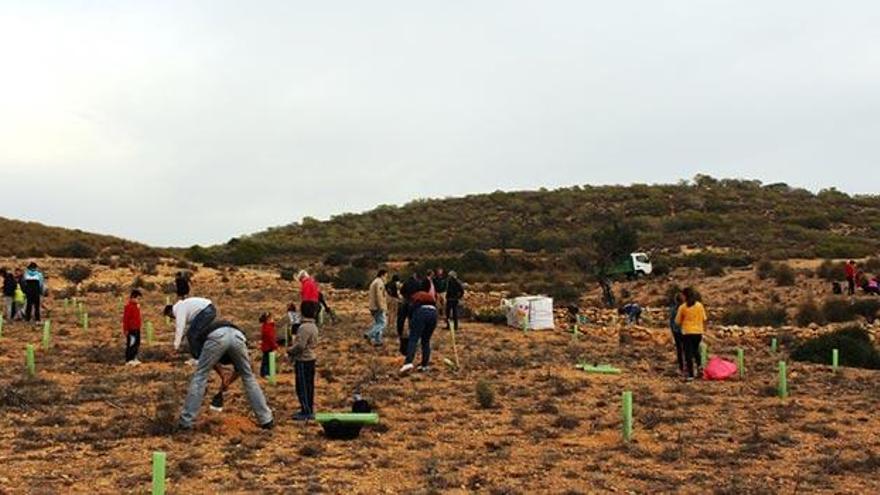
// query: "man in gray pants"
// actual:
[[222, 341]]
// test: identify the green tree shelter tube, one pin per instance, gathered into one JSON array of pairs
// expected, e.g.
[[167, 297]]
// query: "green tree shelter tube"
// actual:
[[627, 415], [835, 359], [47, 335], [350, 418], [29, 360], [149, 326], [602, 369], [783, 380], [741, 362], [272, 367], [158, 473], [704, 354]]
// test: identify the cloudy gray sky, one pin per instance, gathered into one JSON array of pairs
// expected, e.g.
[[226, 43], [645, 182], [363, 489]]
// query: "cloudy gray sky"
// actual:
[[181, 122]]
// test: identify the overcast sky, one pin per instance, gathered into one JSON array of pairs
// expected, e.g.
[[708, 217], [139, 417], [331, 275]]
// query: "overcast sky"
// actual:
[[182, 122]]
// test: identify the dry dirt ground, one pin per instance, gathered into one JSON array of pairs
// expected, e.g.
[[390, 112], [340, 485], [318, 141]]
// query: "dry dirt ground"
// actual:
[[88, 424]]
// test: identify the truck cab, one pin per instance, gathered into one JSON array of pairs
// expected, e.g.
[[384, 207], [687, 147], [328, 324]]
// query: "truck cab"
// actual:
[[634, 265]]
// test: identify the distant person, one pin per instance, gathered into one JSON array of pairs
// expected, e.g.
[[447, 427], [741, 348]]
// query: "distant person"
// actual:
[[19, 299], [182, 285], [131, 328], [633, 313], [677, 337], [441, 283], [268, 343], [212, 344], [324, 308], [33, 284], [429, 280], [191, 315], [378, 306], [302, 354], [851, 272], [392, 293], [691, 317], [412, 285], [9, 286], [454, 295], [422, 323], [309, 293], [872, 286], [294, 320]]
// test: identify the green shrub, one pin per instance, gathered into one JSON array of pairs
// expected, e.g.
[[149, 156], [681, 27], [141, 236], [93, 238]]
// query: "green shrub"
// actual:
[[867, 308], [287, 274], [809, 312], [336, 259], [764, 269], [352, 278], [784, 275], [485, 394], [76, 274], [759, 317], [853, 344], [714, 269], [75, 249], [830, 271], [838, 310]]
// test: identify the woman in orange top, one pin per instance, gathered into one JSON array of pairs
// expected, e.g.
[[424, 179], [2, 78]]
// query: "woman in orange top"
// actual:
[[691, 318]]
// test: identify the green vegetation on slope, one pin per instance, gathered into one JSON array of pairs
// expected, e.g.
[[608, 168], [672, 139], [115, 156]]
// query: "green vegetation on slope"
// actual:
[[32, 239], [753, 220]]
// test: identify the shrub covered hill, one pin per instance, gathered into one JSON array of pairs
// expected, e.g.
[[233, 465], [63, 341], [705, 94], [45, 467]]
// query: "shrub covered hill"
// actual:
[[35, 240], [698, 222]]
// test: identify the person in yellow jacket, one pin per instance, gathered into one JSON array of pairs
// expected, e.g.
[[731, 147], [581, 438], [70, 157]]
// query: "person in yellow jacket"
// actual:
[[691, 318]]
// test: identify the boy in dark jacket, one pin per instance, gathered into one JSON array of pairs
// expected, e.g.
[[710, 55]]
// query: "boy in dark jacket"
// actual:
[[302, 353], [131, 328], [454, 293]]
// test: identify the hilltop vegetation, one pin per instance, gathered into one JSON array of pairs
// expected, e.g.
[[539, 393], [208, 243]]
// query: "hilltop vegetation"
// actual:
[[35, 240], [740, 220]]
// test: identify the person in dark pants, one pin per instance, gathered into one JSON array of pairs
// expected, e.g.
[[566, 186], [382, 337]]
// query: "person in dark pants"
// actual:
[[851, 272], [404, 311], [454, 293], [302, 353], [691, 317], [33, 285], [181, 285], [423, 321], [131, 328], [9, 285], [677, 337]]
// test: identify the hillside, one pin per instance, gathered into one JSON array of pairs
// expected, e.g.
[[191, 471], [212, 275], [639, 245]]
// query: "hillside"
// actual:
[[32, 239], [742, 218]]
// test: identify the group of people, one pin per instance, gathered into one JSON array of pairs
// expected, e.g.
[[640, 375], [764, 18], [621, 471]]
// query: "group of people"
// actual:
[[22, 293], [856, 278], [420, 299]]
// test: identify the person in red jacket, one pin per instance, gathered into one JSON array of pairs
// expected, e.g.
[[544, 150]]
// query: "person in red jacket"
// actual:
[[267, 341], [131, 328], [851, 274], [310, 294]]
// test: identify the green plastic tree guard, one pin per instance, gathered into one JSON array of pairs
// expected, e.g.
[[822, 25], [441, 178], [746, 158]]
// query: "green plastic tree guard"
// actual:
[[704, 354], [835, 355], [773, 345], [47, 334], [452, 330], [272, 363], [741, 362], [351, 418], [1, 326], [627, 416], [85, 321], [158, 473], [783, 380], [66, 303], [602, 369], [149, 326], [575, 333], [29, 360]]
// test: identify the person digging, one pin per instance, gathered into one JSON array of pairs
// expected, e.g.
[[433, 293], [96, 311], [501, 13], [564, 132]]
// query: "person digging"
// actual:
[[212, 344]]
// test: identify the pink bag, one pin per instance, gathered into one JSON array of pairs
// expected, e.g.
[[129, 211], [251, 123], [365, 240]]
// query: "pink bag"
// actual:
[[719, 369]]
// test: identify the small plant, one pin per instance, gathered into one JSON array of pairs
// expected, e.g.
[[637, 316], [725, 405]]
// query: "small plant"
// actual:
[[784, 275], [837, 310], [351, 278], [76, 274], [771, 316], [764, 269], [809, 312], [485, 394], [853, 343], [287, 274], [493, 316]]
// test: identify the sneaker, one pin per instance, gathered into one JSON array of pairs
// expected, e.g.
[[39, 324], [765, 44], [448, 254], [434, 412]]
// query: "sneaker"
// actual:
[[424, 369], [689, 379], [217, 402], [192, 361], [406, 369], [135, 362], [129, 363], [268, 426]]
